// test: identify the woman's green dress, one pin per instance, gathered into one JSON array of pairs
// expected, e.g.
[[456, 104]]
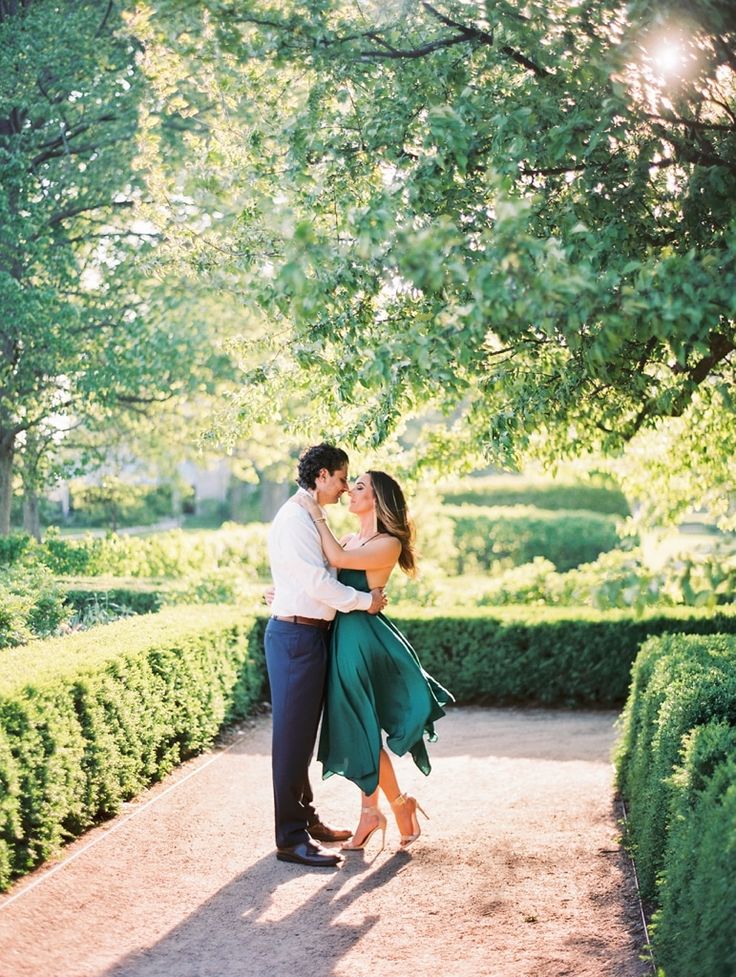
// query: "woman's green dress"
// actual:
[[374, 682]]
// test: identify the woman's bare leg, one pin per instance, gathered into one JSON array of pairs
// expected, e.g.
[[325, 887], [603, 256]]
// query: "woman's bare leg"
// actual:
[[369, 814], [388, 783]]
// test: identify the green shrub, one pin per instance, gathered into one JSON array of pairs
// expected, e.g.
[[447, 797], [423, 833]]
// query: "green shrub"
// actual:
[[616, 579], [171, 555], [31, 604], [540, 656], [112, 502], [624, 579], [678, 682], [13, 546], [14, 612], [530, 583], [505, 490], [488, 537], [87, 720], [126, 599], [223, 585], [693, 930], [137, 596]]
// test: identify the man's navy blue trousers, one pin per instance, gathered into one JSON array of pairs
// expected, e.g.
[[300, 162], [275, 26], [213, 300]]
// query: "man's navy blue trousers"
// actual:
[[296, 658]]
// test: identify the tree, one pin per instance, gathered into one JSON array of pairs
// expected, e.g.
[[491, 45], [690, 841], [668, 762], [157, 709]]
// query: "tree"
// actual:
[[522, 214], [89, 327]]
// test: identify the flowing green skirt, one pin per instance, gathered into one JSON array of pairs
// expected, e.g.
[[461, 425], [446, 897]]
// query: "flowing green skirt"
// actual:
[[375, 683]]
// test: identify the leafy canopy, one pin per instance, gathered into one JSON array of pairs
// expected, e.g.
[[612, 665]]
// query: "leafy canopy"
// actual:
[[520, 214], [90, 328]]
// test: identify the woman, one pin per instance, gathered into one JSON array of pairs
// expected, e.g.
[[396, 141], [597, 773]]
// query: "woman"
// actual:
[[375, 681]]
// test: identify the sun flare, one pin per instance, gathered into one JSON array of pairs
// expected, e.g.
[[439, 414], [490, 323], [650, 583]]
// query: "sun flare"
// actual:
[[668, 57]]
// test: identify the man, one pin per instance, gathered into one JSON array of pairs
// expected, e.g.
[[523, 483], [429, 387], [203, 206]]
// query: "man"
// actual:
[[307, 595]]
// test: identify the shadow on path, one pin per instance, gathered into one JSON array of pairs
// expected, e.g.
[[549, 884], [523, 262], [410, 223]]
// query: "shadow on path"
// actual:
[[238, 933]]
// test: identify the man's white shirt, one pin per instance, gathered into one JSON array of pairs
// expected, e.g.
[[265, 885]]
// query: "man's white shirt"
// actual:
[[305, 583]]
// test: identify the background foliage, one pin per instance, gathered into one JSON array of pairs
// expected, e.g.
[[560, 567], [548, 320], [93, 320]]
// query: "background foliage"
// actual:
[[523, 218]]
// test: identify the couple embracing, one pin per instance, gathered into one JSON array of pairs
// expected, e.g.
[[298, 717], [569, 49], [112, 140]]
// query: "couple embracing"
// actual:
[[327, 642]]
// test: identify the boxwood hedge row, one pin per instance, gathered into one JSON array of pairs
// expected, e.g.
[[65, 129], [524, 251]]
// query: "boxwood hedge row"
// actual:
[[547, 656], [88, 720], [132, 600], [505, 490], [515, 535], [694, 927], [541, 656], [679, 682], [676, 767]]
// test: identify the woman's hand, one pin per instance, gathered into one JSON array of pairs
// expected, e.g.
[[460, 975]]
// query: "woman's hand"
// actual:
[[311, 505]]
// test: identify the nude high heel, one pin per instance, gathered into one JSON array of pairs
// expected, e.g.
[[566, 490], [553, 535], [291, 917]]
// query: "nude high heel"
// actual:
[[381, 823], [413, 806]]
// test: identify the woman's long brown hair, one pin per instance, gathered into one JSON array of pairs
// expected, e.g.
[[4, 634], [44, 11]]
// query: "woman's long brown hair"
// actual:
[[393, 518]]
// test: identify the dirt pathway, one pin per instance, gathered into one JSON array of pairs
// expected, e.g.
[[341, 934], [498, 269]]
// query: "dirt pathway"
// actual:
[[518, 873]]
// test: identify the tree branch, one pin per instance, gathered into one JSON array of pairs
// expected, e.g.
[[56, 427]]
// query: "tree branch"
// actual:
[[101, 28], [63, 215], [690, 123], [477, 34], [419, 52], [720, 347]]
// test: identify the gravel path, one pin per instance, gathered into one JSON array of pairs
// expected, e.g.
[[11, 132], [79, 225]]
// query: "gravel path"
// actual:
[[517, 874]]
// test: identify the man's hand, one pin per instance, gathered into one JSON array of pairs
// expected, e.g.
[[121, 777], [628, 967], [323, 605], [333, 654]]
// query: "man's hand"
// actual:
[[378, 600], [268, 595]]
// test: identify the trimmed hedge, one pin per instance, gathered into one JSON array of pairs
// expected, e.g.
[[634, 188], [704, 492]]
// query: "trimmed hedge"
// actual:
[[693, 931], [509, 490], [171, 554], [131, 600], [679, 682], [540, 656], [88, 720], [545, 656], [518, 534]]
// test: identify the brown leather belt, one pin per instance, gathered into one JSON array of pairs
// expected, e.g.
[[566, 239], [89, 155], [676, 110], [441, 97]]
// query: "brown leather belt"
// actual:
[[311, 622]]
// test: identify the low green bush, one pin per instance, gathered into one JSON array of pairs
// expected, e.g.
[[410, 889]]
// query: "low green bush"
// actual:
[[678, 682], [88, 720], [31, 604], [531, 583], [540, 656], [511, 536], [125, 599], [113, 502], [170, 555], [505, 490], [108, 596], [693, 930], [13, 546], [616, 579]]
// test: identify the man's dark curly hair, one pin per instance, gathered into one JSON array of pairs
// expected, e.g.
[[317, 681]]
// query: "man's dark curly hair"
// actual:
[[315, 459]]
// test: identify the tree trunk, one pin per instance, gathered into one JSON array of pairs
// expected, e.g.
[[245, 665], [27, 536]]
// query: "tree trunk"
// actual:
[[7, 449], [31, 514]]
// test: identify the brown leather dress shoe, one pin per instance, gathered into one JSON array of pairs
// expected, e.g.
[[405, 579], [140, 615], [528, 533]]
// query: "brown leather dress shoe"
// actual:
[[320, 832], [307, 853]]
